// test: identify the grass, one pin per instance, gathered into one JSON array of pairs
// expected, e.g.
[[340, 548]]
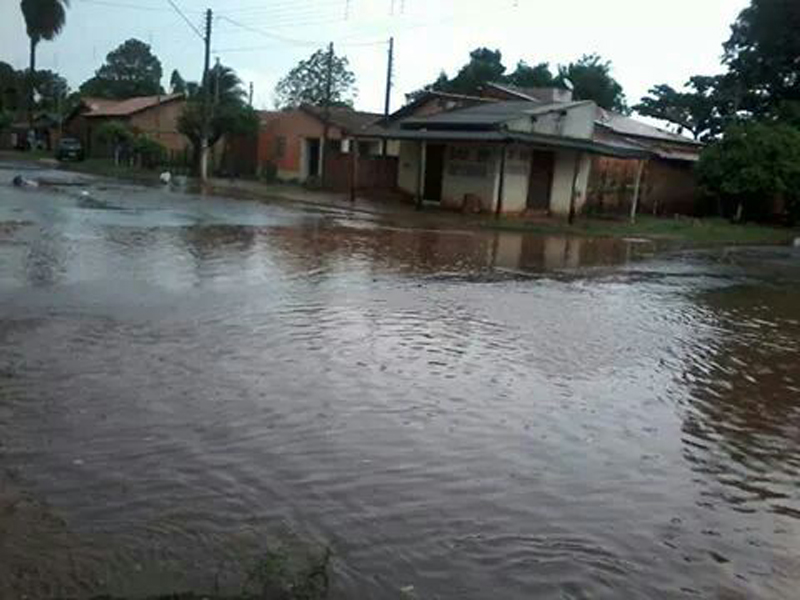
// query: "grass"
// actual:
[[106, 168], [683, 230]]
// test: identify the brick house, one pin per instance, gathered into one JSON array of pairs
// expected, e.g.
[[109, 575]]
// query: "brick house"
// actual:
[[513, 150], [153, 116], [290, 141]]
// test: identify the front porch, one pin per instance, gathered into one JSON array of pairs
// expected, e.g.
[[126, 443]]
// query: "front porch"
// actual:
[[498, 178]]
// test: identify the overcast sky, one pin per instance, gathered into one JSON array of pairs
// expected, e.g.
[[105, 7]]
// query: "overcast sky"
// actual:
[[648, 41]]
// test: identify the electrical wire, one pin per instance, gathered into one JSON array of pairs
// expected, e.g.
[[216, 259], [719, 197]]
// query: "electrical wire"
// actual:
[[185, 18]]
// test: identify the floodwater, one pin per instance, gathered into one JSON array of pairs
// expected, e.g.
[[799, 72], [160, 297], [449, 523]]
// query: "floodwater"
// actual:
[[185, 380]]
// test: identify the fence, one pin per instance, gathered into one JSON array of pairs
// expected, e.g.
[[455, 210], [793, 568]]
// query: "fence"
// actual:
[[373, 172]]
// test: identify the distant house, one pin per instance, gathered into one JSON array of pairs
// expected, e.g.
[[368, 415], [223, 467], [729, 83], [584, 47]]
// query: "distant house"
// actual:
[[46, 129], [153, 116], [290, 142], [513, 150]]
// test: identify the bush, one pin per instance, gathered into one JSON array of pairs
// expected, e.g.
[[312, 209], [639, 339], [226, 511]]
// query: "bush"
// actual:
[[754, 170], [149, 153]]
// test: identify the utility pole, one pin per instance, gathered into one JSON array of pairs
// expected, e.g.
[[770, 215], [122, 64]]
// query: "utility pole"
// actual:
[[250, 95], [205, 124], [327, 111], [388, 98]]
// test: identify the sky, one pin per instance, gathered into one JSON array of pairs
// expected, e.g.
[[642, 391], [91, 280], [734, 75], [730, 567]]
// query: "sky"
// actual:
[[648, 41]]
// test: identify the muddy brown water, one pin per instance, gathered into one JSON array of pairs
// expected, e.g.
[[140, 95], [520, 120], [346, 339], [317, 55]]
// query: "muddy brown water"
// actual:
[[457, 414]]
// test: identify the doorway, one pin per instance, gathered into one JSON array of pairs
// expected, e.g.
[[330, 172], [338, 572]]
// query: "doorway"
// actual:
[[434, 171], [541, 180], [312, 157]]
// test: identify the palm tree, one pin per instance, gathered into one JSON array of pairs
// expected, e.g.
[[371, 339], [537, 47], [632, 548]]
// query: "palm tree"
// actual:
[[44, 20]]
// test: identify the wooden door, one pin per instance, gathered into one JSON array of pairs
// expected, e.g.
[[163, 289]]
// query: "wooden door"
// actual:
[[541, 180]]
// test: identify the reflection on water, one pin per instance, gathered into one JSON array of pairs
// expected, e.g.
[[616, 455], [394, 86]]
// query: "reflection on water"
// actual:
[[474, 414]]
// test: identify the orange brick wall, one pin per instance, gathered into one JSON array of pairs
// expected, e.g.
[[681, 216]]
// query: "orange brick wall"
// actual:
[[161, 124], [294, 125]]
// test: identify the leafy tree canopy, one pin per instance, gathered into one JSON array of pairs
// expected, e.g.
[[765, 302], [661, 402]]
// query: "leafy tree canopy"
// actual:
[[307, 82], [229, 112], [177, 85], [531, 76], [698, 110], [590, 76], [130, 70], [763, 55], [752, 165], [591, 79]]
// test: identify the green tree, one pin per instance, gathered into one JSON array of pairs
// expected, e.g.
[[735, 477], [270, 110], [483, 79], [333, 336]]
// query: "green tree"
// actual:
[[52, 89], [484, 66], [307, 83], [44, 20], [11, 88], [697, 110], [177, 85], [591, 79], [229, 112], [130, 70], [763, 55], [117, 135], [752, 166], [526, 76]]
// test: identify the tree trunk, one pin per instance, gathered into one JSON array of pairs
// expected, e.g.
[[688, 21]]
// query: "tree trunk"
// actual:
[[31, 73]]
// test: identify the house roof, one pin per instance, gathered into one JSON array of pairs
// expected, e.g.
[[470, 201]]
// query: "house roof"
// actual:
[[608, 119], [343, 117], [103, 107], [617, 148], [431, 94], [486, 115], [631, 127]]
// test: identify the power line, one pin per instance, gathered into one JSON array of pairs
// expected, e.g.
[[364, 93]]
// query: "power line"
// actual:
[[141, 7], [188, 22], [272, 36], [287, 7]]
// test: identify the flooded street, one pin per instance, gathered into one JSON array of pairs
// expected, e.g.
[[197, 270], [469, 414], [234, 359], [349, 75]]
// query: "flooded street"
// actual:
[[457, 414]]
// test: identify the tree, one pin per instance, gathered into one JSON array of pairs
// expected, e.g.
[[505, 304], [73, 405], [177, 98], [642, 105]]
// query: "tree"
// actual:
[[752, 166], [177, 85], [763, 55], [698, 111], [130, 70], [307, 83], [591, 79], [44, 20], [526, 76], [52, 89], [230, 113], [484, 66], [118, 135], [11, 88]]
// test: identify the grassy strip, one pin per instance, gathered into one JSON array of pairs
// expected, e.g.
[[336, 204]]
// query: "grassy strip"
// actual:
[[106, 168], [711, 231]]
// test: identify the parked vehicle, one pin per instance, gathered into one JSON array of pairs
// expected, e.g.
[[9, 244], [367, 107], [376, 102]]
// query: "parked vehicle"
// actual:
[[69, 149]]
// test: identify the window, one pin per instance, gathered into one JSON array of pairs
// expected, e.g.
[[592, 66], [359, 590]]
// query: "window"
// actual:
[[459, 153], [280, 147], [484, 154]]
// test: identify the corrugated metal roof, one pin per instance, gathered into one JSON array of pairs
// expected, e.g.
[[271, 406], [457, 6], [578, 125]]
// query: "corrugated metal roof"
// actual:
[[627, 126], [344, 118], [101, 107], [619, 149], [482, 115]]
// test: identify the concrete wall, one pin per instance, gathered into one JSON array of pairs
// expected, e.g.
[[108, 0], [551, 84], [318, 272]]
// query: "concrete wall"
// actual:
[[470, 169], [576, 122], [517, 175], [563, 174], [408, 167]]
